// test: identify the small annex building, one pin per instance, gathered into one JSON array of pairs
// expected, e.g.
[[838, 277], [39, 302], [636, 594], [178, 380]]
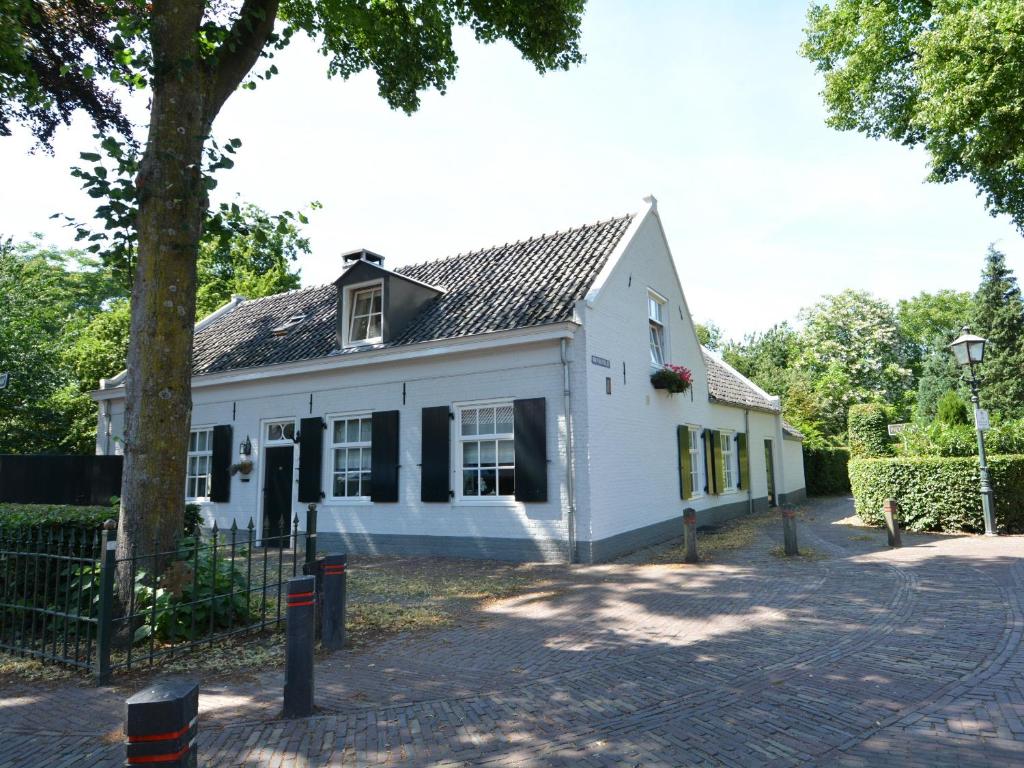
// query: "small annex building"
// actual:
[[492, 404]]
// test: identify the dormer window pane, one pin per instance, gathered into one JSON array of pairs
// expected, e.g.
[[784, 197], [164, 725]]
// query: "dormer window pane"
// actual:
[[367, 315]]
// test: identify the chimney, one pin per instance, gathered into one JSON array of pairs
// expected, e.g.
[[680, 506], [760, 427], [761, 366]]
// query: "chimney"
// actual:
[[363, 255]]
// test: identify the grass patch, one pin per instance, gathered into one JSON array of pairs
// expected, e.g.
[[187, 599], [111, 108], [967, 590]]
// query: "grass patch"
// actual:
[[733, 535], [863, 537], [366, 620], [806, 553], [33, 670], [418, 584]]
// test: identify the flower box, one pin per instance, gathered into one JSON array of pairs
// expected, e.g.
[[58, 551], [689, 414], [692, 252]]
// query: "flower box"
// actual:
[[672, 378]]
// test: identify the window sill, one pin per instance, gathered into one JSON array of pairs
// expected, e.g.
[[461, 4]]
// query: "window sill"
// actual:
[[349, 501], [365, 343], [485, 501]]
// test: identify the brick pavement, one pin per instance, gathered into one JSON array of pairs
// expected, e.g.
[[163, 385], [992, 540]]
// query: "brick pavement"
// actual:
[[868, 657]]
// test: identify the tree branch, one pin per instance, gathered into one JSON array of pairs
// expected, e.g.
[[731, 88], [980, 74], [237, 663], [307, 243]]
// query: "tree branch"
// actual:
[[237, 55]]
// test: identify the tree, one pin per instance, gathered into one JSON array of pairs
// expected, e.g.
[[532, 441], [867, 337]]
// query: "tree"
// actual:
[[946, 76], [929, 321], [999, 317], [248, 252], [952, 410], [852, 348], [765, 358], [939, 375], [194, 54], [709, 335]]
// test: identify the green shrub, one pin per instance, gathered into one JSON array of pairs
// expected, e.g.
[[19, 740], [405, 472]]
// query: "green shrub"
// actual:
[[938, 494], [868, 425], [825, 470], [17, 518], [960, 439], [952, 410]]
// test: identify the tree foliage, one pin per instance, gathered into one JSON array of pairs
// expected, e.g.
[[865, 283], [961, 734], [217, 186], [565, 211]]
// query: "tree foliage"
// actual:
[[947, 76], [999, 317]]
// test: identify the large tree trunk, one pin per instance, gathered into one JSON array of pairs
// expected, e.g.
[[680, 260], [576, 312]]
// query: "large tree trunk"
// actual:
[[188, 92], [172, 204]]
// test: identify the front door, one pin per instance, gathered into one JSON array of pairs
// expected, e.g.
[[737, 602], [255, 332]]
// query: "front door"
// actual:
[[277, 496], [769, 463]]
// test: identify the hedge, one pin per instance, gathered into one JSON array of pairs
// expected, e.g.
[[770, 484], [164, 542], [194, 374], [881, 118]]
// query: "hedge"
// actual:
[[825, 471], [53, 516], [939, 494], [868, 427]]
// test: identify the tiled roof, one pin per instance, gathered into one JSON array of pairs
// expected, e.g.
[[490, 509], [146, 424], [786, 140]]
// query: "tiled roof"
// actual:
[[516, 285], [789, 429], [726, 385]]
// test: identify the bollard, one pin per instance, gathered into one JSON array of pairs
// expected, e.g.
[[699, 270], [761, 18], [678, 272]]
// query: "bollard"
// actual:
[[690, 535], [298, 664], [160, 725], [332, 606], [789, 532], [891, 508], [310, 540]]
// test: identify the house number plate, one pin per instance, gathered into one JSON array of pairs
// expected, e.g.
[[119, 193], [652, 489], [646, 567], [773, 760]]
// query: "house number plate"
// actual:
[[600, 361]]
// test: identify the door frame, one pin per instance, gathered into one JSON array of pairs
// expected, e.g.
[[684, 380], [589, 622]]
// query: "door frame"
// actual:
[[261, 445], [770, 474]]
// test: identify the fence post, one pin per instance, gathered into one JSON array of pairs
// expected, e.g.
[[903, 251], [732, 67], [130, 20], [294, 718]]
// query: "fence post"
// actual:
[[160, 725], [310, 538], [891, 509], [690, 535], [298, 664], [332, 604], [789, 532], [104, 616]]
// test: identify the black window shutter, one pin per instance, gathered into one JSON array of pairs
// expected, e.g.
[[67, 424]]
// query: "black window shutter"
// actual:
[[435, 456], [530, 417], [220, 464], [384, 465], [311, 456]]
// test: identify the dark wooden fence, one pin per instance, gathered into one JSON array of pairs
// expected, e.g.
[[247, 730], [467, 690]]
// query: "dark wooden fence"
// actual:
[[60, 479]]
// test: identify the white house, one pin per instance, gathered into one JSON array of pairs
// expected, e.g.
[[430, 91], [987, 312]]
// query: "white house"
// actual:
[[492, 404]]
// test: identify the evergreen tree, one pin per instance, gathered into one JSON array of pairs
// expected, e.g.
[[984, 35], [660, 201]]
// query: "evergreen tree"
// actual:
[[999, 317], [939, 374]]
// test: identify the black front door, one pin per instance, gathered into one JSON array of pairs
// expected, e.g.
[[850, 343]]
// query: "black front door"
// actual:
[[769, 463], [277, 496]]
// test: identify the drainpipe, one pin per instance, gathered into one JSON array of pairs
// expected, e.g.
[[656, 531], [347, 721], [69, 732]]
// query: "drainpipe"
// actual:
[[750, 485], [106, 427], [570, 463]]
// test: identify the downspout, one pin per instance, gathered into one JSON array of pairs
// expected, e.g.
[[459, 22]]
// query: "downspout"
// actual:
[[106, 427], [570, 462], [750, 485]]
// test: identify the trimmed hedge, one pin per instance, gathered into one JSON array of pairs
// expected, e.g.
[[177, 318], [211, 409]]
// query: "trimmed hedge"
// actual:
[[23, 516], [825, 471], [868, 427], [939, 494]]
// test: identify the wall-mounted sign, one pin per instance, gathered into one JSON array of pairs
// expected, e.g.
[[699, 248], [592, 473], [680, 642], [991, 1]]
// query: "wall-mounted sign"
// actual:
[[981, 420], [4, 378], [600, 361]]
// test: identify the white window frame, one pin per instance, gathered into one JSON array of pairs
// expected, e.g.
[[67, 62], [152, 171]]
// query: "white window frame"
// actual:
[[265, 433], [350, 308], [333, 446], [196, 454], [730, 462], [698, 472], [657, 332], [460, 439]]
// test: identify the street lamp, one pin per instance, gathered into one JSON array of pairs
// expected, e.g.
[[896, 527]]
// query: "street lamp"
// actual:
[[969, 351]]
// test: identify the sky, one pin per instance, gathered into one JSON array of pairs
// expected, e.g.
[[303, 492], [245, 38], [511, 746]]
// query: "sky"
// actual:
[[705, 105]]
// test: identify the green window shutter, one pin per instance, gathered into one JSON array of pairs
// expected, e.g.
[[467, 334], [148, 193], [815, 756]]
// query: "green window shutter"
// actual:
[[743, 481], [719, 464], [685, 479], [712, 461]]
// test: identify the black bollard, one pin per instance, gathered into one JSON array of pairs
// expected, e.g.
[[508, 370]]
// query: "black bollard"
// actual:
[[332, 606], [298, 664], [789, 532], [891, 509], [160, 725], [690, 535]]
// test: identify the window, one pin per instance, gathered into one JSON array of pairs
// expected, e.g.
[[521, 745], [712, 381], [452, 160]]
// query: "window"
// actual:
[[697, 476], [281, 431], [367, 318], [728, 462], [487, 451], [351, 441], [656, 321], [197, 473]]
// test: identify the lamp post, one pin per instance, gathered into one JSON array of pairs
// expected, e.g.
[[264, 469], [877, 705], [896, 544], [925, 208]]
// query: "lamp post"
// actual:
[[969, 351]]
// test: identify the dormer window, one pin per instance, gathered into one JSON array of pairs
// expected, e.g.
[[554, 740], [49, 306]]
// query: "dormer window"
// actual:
[[656, 322], [367, 318]]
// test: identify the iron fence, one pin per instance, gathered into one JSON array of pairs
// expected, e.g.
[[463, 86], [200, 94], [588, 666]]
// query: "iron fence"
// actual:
[[58, 601]]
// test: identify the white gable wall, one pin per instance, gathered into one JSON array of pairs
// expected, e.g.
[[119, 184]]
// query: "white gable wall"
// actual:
[[631, 490]]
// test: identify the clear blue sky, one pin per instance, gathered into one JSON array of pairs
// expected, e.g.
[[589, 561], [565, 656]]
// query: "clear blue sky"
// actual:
[[705, 105]]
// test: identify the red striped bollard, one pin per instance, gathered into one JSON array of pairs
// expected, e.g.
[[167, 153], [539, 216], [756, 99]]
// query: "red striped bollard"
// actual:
[[160, 725], [332, 605], [298, 665]]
